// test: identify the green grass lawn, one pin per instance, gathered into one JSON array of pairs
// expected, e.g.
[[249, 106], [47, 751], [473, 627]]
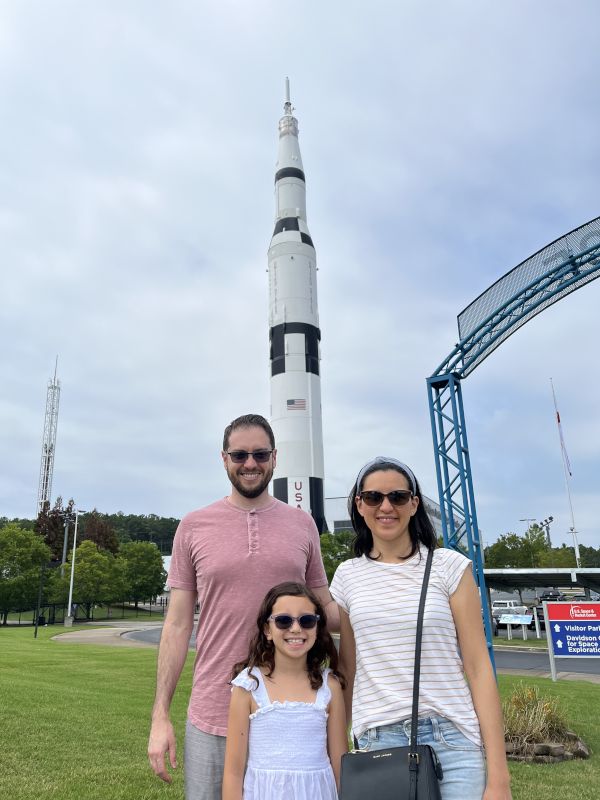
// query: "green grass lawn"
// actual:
[[532, 642], [572, 779], [74, 722]]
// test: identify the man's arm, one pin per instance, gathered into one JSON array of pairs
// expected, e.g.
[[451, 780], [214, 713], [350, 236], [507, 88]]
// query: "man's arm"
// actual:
[[330, 607], [172, 653]]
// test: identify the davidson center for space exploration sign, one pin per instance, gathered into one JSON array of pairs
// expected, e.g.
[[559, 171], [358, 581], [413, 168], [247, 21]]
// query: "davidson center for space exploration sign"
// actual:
[[573, 631]]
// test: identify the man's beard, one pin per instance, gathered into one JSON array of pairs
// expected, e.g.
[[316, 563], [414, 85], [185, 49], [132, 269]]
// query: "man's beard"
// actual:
[[254, 491]]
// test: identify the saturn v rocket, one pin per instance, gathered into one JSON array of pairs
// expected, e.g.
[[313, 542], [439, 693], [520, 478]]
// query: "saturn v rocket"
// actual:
[[294, 334]]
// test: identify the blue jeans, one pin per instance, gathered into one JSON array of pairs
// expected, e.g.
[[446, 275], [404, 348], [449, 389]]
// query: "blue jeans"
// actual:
[[461, 759]]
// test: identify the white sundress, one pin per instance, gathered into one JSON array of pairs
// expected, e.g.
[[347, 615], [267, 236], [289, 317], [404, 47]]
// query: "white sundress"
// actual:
[[287, 746]]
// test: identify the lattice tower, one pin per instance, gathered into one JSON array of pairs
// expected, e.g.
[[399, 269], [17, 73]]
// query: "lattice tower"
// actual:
[[48, 443]]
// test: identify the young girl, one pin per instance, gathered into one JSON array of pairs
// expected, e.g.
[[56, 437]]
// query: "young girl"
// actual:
[[286, 717]]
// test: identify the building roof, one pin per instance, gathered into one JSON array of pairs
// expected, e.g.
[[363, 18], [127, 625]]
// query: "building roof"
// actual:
[[565, 577]]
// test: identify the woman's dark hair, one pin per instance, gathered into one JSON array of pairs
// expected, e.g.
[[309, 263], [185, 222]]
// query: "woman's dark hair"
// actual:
[[262, 651], [420, 528]]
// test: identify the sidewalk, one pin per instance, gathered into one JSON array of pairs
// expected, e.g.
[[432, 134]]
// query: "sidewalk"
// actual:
[[108, 633]]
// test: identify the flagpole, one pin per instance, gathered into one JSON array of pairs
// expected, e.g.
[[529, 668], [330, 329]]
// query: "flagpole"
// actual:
[[567, 471]]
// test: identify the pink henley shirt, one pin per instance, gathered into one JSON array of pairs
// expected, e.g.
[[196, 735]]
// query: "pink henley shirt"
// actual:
[[231, 557]]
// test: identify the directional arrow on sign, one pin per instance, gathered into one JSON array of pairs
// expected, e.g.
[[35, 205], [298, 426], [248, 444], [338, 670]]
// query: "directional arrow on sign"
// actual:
[[557, 628], [559, 643]]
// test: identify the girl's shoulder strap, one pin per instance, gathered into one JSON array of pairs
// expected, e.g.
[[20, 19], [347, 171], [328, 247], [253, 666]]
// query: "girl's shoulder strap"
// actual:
[[257, 687], [244, 681]]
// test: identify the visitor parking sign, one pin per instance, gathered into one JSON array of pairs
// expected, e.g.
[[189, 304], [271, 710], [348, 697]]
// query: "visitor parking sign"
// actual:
[[573, 631]]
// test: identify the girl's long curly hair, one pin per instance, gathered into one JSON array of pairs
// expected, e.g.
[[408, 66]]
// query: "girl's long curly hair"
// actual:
[[322, 654]]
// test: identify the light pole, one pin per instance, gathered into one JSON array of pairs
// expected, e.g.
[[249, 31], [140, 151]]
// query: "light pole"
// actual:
[[575, 546], [69, 617], [545, 523], [67, 516]]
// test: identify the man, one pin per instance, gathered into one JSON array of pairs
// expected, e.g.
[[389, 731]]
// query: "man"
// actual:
[[227, 556]]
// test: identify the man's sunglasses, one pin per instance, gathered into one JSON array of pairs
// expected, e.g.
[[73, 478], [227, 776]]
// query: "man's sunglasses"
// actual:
[[241, 456], [399, 497], [285, 621]]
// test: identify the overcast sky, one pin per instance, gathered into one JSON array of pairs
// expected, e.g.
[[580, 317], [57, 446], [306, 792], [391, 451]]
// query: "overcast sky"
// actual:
[[443, 143]]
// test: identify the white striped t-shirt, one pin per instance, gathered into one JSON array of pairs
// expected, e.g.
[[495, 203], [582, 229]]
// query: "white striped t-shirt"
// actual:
[[382, 601]]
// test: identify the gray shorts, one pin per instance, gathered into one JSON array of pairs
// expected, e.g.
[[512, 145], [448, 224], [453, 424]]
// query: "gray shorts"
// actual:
[[204, 759]]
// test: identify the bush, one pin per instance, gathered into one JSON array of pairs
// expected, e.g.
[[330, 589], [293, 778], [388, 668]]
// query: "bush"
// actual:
[[335, 548], [530, 718]]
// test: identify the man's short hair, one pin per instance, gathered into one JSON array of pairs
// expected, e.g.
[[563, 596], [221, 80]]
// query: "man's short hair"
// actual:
[[248, 421]]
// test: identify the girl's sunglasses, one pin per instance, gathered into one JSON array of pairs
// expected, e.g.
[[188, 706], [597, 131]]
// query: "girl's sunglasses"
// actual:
[[399, 497], [285, 621]]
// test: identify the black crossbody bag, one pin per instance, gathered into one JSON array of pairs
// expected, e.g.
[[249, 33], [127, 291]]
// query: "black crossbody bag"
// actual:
[[397, 773]]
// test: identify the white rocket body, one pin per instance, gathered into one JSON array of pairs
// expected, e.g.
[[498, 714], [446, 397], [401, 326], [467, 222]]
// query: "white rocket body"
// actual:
[[294, 335]]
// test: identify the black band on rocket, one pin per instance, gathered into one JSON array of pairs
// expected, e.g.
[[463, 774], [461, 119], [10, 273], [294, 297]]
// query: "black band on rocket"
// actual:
[[286, 224], [292, 224], [280, 489], [317, 503], [289, 172], [312, 337]]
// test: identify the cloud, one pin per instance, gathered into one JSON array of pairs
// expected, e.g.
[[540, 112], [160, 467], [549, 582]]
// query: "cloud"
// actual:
[[136, 208]]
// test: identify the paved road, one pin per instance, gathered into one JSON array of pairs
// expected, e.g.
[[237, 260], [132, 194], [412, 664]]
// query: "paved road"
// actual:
[[539, 663], [507, 659]]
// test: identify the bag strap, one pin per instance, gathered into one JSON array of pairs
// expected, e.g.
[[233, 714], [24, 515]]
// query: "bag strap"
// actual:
[[413, 756]]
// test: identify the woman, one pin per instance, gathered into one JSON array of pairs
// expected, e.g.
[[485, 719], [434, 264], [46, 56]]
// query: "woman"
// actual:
[[378, 594]]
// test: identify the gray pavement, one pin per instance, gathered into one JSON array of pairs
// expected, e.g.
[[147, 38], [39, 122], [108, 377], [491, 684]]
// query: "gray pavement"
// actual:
[[509, 660], [113, 634]]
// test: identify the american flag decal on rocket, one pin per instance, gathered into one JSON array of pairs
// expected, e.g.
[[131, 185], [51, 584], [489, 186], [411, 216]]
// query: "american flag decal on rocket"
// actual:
[[296, 405]]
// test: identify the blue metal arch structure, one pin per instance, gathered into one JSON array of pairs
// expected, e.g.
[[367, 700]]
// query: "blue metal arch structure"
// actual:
[[552, 273]]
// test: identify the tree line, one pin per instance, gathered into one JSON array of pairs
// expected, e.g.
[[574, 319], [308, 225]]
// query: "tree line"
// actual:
[[118, 556], [510, 551], [110, 564], [109, 531], [532, 550]]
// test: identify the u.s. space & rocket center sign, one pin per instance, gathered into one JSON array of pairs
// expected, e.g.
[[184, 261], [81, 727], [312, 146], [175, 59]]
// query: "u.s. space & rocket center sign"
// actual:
[[573, 631]]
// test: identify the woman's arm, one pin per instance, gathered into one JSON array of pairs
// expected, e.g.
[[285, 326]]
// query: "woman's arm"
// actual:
[[466, 610], [337, 739], [236, 748], [347, 660]]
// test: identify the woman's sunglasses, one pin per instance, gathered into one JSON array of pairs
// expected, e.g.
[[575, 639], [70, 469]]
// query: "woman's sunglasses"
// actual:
[[285, 621], [399, 497]]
